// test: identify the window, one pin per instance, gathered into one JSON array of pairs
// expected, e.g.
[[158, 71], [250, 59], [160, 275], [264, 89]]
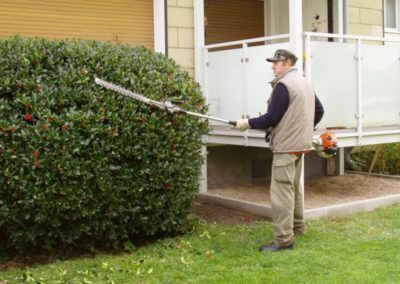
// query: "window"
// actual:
[[392, 15]]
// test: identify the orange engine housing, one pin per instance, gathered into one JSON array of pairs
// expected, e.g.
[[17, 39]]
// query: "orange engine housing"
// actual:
[[329, 142]]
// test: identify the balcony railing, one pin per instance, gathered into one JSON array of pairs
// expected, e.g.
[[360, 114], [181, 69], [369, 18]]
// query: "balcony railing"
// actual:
[[357, 79], [236, 80]]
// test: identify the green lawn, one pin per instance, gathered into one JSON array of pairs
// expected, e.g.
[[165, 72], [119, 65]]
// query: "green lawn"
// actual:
[[363, 248]]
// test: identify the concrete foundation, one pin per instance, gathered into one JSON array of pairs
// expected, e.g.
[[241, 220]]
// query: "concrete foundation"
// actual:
[[229, 165], [327, 211]]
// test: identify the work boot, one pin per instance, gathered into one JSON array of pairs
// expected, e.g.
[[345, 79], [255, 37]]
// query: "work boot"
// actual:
[[273, 247]]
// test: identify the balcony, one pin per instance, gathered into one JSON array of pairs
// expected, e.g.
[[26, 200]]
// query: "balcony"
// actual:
[[357, 79]]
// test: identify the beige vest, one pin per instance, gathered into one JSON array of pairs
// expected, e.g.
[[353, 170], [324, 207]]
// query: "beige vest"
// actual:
[[294, 131]]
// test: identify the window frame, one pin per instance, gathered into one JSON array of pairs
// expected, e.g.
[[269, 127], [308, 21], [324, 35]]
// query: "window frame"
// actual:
[[397, 18]]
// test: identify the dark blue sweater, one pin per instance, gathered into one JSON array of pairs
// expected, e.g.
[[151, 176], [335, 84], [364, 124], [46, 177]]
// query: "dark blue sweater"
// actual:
[[277, 108]]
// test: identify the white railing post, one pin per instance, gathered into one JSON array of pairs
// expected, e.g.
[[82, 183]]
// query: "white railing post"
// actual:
[[205, 77], [245, 59], [359, 91], [203, 184], [307, 57]]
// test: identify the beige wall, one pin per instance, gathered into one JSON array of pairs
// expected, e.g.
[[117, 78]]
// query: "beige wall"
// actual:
[[393, 35], [181, 33], [365, 17]]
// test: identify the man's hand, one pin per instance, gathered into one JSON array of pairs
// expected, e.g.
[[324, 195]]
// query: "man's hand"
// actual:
[[242, 124]]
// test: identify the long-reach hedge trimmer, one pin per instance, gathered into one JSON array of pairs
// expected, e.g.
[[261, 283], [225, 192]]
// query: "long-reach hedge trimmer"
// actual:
[[326, 146], [167, 106]]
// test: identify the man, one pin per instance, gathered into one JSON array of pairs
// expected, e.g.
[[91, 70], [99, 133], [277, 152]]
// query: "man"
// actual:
[[293, 111]]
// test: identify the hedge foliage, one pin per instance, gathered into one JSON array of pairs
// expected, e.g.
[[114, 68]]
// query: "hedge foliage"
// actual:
[[82, 166]]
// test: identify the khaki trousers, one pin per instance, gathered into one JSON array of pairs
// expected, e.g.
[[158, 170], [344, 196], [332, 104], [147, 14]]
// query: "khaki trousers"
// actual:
[[287, 197]]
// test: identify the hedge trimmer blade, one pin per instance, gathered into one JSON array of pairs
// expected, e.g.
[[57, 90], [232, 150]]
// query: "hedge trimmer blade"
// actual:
[[128, 93], [167, 106]]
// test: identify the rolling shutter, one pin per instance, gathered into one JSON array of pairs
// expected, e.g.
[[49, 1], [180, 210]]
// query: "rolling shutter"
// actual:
[[231, 20], [126, 21]]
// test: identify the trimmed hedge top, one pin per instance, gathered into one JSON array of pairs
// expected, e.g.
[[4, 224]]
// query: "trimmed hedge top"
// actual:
[[82, 166]]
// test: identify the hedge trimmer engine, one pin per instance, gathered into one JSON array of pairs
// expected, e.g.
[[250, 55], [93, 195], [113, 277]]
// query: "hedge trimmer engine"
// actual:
[[326, 145]]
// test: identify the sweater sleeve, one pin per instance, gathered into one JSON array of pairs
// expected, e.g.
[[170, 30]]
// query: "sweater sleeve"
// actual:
[[276, 109]]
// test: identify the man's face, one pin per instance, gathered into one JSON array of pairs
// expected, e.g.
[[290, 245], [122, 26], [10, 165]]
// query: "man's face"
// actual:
[[280, 67]]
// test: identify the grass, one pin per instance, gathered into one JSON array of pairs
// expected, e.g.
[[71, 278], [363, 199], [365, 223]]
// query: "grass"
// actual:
[[362, 248]]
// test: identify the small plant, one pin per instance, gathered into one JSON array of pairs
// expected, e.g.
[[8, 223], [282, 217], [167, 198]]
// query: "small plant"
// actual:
[[387, 159], [81, 166]]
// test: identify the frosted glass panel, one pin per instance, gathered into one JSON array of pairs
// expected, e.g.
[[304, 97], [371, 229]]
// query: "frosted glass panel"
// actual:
[[228, 95], [237, 88], [225, 84], [259, 75], [381, 85], [334, 78]]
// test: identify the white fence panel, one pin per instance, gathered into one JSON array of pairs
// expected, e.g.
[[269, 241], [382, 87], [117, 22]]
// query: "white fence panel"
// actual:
[[334, 79], [225, 84], [238, 81], [381, 85]]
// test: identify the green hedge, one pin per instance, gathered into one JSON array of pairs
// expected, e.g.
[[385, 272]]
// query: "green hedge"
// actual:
[[82, 166]]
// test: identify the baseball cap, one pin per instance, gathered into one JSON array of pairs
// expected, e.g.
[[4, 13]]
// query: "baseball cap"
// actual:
[[283, 55]]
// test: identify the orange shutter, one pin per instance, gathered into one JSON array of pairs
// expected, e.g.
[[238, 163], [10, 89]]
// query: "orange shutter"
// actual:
[[126, 21]]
